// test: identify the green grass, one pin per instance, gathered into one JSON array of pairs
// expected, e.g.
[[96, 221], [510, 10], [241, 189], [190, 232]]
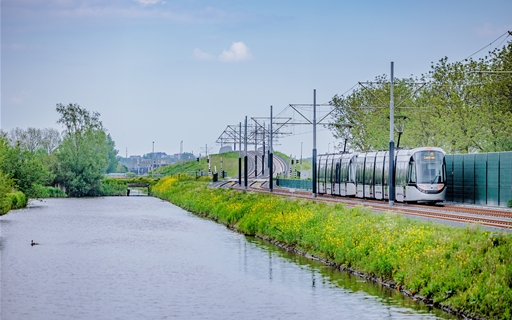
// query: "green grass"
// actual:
[[466, 269]]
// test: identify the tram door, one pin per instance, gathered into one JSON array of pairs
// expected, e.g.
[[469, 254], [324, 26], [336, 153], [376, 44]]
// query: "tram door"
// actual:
[[401, 170], [344, 178], [337, 180], [369, 171], [328, 175], [379, 175], [360, 175], [321, 174]]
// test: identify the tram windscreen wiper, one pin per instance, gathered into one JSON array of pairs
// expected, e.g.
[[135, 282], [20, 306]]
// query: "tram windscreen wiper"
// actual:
[[435, 178]]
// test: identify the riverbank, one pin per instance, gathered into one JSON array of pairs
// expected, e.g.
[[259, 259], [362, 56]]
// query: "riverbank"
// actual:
[[467, 271]]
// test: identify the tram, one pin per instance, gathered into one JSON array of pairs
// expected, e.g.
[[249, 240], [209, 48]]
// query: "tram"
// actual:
[[420, 175]]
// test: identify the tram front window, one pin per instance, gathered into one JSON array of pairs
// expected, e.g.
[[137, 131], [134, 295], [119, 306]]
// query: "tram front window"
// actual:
[[429, 167]]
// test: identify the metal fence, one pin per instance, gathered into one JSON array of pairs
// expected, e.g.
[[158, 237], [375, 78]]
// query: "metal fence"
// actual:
[[481, 179], [295, 184]]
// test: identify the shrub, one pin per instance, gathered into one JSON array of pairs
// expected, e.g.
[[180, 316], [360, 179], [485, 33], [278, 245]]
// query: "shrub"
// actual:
[[509, 203], [18, 200], [5, 189]]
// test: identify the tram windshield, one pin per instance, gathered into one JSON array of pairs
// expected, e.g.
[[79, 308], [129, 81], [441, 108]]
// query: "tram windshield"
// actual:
[[429, 167]]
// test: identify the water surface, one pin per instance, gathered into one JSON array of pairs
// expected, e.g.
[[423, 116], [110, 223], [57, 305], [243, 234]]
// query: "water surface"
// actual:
[[143, 258]]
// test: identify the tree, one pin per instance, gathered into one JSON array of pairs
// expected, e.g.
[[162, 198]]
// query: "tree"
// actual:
[[112, 154], [363, 116], [83, 155], [465, 106], [26, 168], [5, 182], [33, 139], [475, 102]]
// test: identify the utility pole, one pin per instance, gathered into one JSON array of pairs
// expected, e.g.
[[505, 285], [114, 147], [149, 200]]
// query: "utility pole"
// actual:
[[240, 156], [245, 157], [208, 159], [263, 153], [314, 143], [300, 160], [270, 157], [153, 159], [391, 180], [255, 150]]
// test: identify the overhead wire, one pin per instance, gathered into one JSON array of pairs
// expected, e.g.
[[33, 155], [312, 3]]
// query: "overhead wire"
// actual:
[[508, 33]]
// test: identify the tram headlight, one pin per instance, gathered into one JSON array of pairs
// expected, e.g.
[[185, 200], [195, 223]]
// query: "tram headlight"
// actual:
[[430, 188]]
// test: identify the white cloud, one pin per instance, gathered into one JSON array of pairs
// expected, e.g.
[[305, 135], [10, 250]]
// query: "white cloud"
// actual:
[[238, 52], [201, 55], [148, 2]]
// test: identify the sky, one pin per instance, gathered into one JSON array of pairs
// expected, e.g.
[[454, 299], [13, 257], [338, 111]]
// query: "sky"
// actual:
[[177, 73]]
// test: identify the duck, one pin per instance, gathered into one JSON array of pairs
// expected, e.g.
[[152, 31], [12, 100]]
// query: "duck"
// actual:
[[33, 243]]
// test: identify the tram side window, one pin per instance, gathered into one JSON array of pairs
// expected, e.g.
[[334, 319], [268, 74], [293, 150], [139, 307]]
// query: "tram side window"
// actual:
[[351, 173], [360, 171], [386, 170], [368, 171], [378, 172], [321, 170], [343, 171], [328, 171], [412, 172], [401, 173]]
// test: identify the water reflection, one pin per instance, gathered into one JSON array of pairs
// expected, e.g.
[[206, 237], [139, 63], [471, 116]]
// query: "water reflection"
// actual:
[[288, 268]]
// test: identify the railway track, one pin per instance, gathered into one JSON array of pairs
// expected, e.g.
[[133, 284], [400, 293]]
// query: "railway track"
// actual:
[[279, 165], [500, 219]]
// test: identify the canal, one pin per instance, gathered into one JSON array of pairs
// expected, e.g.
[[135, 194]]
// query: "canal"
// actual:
[[143, 258]]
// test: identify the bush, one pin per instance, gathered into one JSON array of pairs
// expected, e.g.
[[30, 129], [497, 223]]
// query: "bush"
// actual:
[[509, 203], [18, 200], [5, 205], [5, 189]]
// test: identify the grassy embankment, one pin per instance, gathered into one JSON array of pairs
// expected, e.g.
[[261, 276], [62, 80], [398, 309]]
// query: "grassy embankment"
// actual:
[[465, 269], [227, 161]]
